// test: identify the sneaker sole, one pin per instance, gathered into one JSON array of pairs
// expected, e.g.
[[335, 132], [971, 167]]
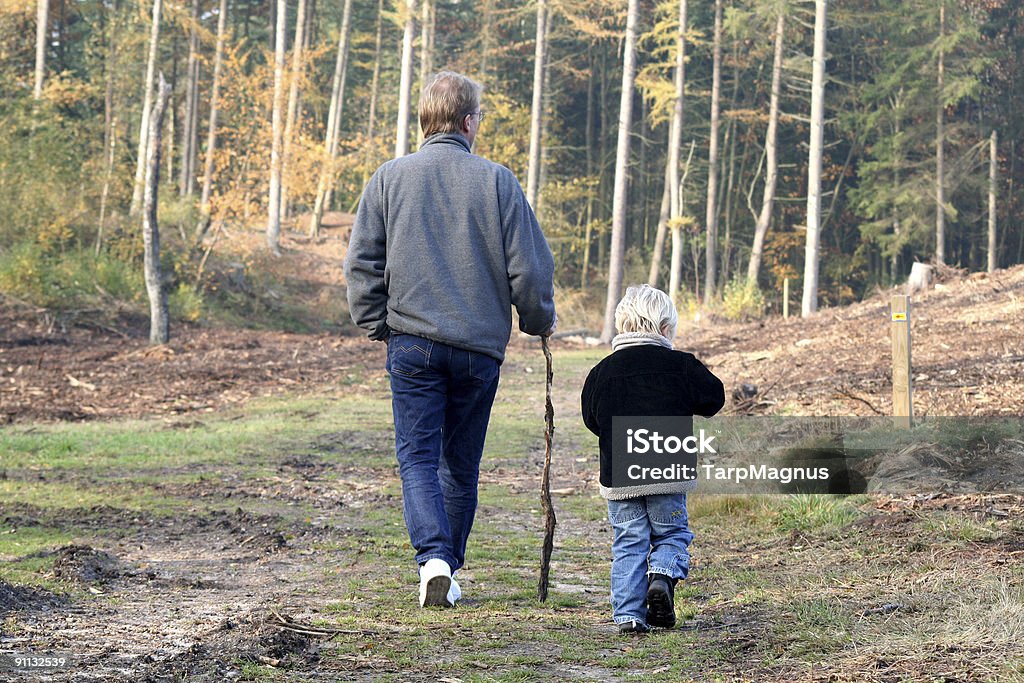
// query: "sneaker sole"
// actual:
[[660, 610], [437, 592]]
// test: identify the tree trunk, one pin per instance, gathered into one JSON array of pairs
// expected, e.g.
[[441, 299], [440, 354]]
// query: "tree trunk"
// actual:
[[188, 137], [293, 100], [675, 198], [676, 268], [810, 298], [426, 52], [639, 189], [544, 121], [898, 155], [274, 199], [371, 119], [764, 218], [42, 34], [602, 147], [105, 192], [725, 195], [159, 325], [109, 118], [589, 144], [940, 152], [147, 105], [211, 132], [664, 213], [333, 121], [537, 108], [405, 86], [486, 40], [618, 245], [711, 213], [993, 167], [171, 107]]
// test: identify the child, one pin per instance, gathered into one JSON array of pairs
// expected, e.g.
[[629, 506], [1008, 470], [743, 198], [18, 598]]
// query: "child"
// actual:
[[644, 377]]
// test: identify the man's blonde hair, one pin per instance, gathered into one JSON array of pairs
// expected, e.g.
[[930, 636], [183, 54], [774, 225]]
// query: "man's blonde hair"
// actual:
[[446, 99], [648, 310]]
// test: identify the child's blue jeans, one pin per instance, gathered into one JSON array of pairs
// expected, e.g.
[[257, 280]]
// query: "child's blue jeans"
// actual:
[[652, 535]]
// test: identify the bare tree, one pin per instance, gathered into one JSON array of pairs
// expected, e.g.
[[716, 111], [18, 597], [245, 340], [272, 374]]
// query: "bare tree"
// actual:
[[211, 132], [589, 144], [993, 167], [658, 253], [676, 269], [293, 100], [764, 218], [159, 323], [189, 137], [274, 200], [42, 31], [333, 120], [810, 298], [402, 132], [371, 119], [147, 106], [675, 139], [940, 144], [427, 18], [486, 32], [711, 213], [618, 246], [105, 192], [537, 107]]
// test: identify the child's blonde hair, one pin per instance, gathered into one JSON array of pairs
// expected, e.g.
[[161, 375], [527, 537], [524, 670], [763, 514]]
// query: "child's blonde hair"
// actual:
[[646, 309]]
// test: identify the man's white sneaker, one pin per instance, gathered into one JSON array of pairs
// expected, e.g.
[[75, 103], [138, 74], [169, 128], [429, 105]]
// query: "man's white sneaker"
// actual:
[[435, 583], [454, 593]]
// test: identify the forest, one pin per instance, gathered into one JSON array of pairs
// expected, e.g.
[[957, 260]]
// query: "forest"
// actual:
[[198, 475], [713, 148]]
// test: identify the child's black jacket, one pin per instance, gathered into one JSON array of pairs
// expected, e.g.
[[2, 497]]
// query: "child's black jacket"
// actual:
[[645, 380]]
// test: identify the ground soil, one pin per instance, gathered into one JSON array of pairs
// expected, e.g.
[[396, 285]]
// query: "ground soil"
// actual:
[[200, 593], [968, 355]]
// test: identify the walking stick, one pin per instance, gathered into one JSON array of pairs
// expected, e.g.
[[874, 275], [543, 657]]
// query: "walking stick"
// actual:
[[545, 483]]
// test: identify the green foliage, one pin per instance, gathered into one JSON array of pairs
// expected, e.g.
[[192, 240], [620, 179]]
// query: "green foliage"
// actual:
[[42, 174], [185, 303], [73, 279], [742, 300]]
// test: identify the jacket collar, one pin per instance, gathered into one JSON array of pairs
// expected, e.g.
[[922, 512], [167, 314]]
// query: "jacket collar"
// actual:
[[447, 139]]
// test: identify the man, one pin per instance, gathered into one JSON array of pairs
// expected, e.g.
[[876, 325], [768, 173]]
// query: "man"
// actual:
[[444, 244]]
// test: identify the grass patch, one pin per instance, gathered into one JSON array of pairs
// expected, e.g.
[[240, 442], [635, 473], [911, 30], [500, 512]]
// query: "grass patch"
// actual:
[[809, 512]]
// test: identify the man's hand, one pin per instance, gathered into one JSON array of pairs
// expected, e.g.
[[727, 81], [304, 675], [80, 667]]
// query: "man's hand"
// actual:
[[551, 330]]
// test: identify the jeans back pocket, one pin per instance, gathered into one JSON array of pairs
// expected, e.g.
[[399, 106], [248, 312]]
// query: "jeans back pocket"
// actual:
[[408, 355]]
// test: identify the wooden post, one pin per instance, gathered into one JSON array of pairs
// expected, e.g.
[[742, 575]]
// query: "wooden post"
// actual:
[[785, 298], [902, 401]]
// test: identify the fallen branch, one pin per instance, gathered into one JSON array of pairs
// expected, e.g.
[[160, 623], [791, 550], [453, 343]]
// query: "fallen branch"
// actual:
[[290, 624], [848, 394]]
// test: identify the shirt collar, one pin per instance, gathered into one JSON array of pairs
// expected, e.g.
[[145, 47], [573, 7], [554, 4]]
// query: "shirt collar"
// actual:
[[447, 139]]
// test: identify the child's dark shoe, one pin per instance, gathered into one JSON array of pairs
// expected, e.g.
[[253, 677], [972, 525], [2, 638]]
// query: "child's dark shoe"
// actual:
[[661, 609], [633, 626]]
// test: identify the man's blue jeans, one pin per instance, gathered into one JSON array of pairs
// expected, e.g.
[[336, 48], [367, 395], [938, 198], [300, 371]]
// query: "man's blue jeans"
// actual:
[[652, 536], [441, 397]]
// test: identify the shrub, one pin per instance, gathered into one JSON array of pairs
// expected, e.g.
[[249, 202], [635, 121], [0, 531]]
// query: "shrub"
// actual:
[[185, 303], [742, 300], [70, 280]]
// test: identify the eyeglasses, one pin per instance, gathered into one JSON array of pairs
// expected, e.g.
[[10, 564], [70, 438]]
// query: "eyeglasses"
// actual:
[[478, 114]]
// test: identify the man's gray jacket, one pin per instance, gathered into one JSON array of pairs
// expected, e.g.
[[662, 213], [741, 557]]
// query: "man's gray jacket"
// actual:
[[443, 245]]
